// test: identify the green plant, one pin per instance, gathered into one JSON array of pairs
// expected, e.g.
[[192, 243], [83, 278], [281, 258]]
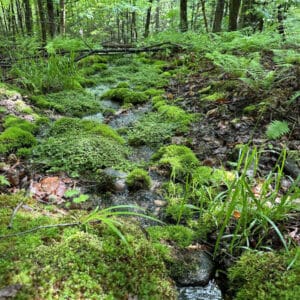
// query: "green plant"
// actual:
[[4, 181], [276, 129], [13, 121], [138, 179]]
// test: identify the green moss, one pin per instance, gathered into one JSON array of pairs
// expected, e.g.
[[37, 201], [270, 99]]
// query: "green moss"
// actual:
[[264, 275], [93, 69], [154, 92], [180, 159], [138, 179], [92, 59], [13, 138], [73, 126], [80, 265], [70, 103], [151, 130], [13, 121], [123, 85], [178, 234], [125, 96], [214, 97]]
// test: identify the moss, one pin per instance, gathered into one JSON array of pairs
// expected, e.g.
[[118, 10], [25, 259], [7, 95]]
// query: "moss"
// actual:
[[93, 69], [70, 103], [92, 59], [138, 179], [67, 263], [13, 138], [123, 85], [151, 130], [13, 121], [125, 96], [264, 275], [87, 82], [73, 126], [180, 235], [214, 97], [154, 92], [179, 159]]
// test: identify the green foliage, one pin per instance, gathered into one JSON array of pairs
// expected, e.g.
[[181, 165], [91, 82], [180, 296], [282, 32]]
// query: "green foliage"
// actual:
[[125, 96], [92, 59], [152, 130], [265, 275], [138, 179], [180, 159], [13, 138], [277, 129], [70, 103], [13, 121], [52, 75], [180, 235], [93, 69], [4, 181], [63, 43]]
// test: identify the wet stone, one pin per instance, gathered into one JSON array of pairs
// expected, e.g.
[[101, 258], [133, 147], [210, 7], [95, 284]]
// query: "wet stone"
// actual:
[[208, 292]]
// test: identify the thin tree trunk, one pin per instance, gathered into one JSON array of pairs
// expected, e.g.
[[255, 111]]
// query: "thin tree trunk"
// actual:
[[62, 17], [234, 8], [157, 16], [20, 16], [183, 16], [204, 15], [51, 18], [219, 13], [148, 19], [280, 18], [42, 22]]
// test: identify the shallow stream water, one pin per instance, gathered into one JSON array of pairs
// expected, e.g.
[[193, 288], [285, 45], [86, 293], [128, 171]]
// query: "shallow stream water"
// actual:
[[146, 199]]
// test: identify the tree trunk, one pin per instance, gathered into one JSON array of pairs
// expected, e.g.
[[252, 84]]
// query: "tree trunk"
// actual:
[[204, 15], [157, 16], [183, 16], [20, 16], [42, 21], [280, 18], [219, 12], [62, 17], [148, 19], [234, 8], [51, 18], [247, 14]]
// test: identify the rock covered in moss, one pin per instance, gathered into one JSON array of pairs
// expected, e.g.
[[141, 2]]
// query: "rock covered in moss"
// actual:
[[138, 179]]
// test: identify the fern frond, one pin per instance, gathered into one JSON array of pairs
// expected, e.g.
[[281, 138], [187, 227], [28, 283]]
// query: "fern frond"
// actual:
[[276, 129]]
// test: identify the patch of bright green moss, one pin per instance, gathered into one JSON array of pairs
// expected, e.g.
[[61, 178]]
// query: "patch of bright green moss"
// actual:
[[265, 275], [13, 121], [214, 97], [180, 159], [138, 179], [70, 103], [125, 96], [180, 235], [13, 138], [92, 59]]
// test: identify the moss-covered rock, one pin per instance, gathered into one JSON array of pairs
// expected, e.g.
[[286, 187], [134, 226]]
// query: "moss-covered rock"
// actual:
[[138, 179], [265, 275], [70, 103], [74, 264], [179, 159], [125, 96], [13, 121]]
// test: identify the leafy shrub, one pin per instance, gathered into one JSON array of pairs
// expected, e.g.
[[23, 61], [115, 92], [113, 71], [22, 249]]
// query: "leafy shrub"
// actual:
[[61, 43], [276, 129], [264, 275], [125, 96], [138, 179], [180, 159], [13, 138]]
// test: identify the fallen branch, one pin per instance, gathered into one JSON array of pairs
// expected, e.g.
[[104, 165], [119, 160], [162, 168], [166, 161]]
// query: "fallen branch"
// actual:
[[10, 225]]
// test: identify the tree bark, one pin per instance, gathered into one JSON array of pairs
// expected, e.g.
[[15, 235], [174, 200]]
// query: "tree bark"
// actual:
[[51, 18], [247, 14], [148, 19], [219, 13], [157, 16], [204, 15], [62, 17], [183, 16], [234, 9], [43, 27]]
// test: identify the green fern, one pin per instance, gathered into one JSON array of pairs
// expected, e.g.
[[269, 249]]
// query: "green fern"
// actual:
[[276, 129]]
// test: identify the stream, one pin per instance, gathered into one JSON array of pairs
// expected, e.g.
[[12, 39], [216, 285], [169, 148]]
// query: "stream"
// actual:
[[151, 199]]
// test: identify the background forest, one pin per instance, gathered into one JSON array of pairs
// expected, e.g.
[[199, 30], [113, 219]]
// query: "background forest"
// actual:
[[149, 149]]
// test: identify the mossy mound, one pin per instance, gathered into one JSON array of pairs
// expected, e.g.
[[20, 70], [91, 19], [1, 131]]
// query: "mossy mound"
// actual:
[[125, 96], [151, 130], [138, 179], [70, 103], [179, 159], [68, 263], [92, 59], [265, 275]]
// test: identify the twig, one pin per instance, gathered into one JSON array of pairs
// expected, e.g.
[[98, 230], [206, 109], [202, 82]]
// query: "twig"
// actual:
[[10, 225], [38, 228]]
